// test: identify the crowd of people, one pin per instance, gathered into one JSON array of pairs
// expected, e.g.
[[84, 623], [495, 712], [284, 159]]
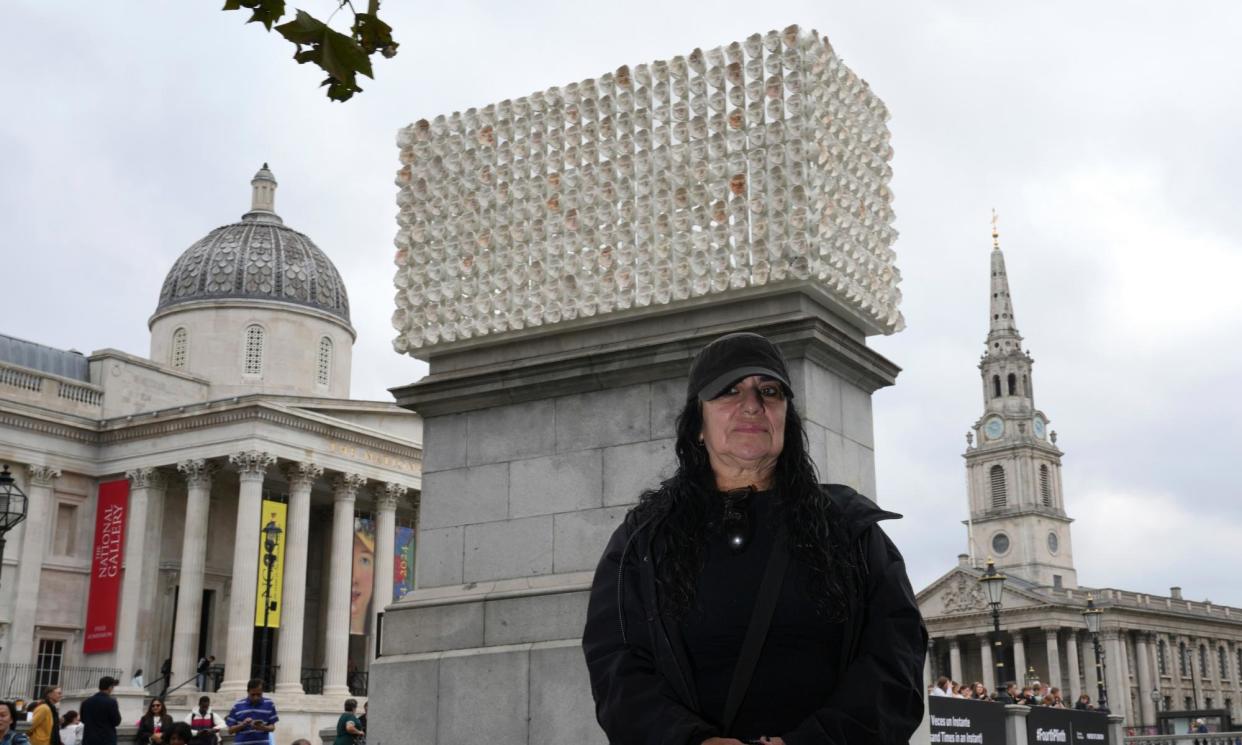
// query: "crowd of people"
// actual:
[[1035, 694], [250, 720]]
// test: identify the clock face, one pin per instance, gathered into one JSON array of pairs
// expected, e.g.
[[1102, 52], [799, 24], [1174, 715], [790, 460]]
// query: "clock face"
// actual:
[[1000, 544], [994, 428], [1038, 427], [1054, 543]]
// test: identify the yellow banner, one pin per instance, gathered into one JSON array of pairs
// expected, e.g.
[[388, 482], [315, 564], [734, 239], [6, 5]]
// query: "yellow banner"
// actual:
[[273, 512]]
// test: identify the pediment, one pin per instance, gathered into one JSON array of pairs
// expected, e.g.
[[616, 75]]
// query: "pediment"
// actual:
[[959, 593]]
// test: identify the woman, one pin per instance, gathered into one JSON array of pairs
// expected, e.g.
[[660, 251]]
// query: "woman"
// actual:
[[205, 724], [8, 725], [180, 734], [45, 724], [71, 728], [154, 725], [979, 692], [138, 681], [742, 531], [347, 725]]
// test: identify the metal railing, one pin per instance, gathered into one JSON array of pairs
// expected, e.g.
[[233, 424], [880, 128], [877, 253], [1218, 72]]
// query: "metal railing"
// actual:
[[1203, 738], [24, 680]]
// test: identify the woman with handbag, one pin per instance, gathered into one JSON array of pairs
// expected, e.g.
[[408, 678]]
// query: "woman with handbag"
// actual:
[[743, 601], [154, 726]]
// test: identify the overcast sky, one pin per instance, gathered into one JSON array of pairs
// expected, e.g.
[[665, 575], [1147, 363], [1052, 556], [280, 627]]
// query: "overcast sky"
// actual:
[[1106, 134]]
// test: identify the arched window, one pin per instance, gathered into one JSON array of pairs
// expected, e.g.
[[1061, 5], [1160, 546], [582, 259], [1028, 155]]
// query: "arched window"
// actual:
[[180, 344], [324, 372], [996, 389], [1013, 384], [1162, 651], [1183, 660], [997, 475], [1045, 488], [1222, 659], [253, 364]]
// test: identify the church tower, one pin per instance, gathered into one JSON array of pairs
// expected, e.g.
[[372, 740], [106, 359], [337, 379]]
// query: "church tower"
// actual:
[[1017, 508]]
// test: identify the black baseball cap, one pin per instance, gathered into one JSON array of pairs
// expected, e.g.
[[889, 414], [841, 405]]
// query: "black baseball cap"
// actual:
[[731, 358]]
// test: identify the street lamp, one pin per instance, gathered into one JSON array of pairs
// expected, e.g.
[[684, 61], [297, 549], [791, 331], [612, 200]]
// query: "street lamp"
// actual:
[[271, 537], [994, 585], [1092, 616], [13, 505]]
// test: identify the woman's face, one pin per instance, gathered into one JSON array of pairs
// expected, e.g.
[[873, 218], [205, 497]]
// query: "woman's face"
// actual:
[[157, 708], [744, 427], [55, 696], [6, 719], [363, 584]]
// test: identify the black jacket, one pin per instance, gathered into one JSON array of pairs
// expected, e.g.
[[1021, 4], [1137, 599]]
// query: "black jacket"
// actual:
[[640, 674], [100, 717]]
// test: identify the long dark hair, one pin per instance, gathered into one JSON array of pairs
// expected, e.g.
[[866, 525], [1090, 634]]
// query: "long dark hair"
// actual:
[[683, 504]]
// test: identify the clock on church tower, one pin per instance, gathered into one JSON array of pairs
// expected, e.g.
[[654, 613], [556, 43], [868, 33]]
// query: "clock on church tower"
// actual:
[[1017, 509]]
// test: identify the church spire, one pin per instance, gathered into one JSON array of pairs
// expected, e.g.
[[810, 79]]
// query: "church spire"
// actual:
[[262, 197], [1003, 336]]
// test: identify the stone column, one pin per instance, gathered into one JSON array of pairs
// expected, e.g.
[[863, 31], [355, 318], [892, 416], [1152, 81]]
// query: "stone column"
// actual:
[[1054, 659], [39, 494], [1074, 685], [251, 468], [1019, 659], [336, 648], [146, 496], [929, 676], [386, 498], [955, 660], [301, 477], [1145, 683], [1118, 696], [198, 474], [989, 665]]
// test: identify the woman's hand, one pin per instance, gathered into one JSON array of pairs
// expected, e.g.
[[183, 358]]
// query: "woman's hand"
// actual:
[[772, 741], [722, 741]]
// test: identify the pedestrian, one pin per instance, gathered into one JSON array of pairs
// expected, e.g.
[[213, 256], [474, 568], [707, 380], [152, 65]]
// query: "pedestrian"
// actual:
[[348, 729], [744, 530], [179, 734], [1083, 703], [154, 725], [253, 717], [204, 666], [8, 725], [70, 729], [205, 723], [362, 723], [101, 715], [942, 687], [138, 681], [45, 723]]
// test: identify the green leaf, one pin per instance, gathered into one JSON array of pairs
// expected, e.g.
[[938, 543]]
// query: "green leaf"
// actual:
[[303, 29], [337, 54], [374, 35], [343, 57], [266, 12]]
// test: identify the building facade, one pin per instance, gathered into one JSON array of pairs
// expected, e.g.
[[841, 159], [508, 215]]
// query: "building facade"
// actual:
[[1158, 652], [243, 398]]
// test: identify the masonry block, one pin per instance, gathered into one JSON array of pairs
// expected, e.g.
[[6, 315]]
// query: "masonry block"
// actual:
[[535, 618], [392, 718], [560, 690], [603, 418], [483, 697], [433, 628], [444, 442], [668, 397], [582, 536], [515, 548], [630, 470], [511, 432], [857, 423], [556, 483], [440, 558], [463, 496]]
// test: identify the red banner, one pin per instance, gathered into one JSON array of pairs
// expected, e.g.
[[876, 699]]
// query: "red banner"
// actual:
[[105, 593]]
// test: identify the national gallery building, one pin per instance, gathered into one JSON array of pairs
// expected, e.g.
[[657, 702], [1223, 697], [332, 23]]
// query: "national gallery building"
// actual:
[[1160, 653], [259, 515]]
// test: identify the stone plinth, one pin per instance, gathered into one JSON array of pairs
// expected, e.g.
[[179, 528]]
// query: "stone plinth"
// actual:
[[535, 447]]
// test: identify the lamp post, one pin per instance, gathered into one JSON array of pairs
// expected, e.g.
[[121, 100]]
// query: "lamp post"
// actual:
[[994, 585], [1092, 616], [271, 536], [13, 505]]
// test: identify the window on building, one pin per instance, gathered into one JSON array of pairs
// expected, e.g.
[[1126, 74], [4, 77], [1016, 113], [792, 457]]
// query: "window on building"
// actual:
[[64, 538], [1168, 703], [1162, 663], [1203, 663], [324, 374], [48, 663], [180, 344], [997, 475], [253, 364], [1045, 486], [1222, 662], [1207, 702], [1013, 384], [1183, 660], [996, 389], [1026, 388], [1188, 703], [1239, 664]]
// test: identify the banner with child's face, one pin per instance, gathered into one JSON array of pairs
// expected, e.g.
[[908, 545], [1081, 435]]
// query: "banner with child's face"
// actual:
[[363, 584]]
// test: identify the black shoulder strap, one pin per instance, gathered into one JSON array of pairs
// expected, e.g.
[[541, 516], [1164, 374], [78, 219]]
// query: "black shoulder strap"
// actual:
[[757, 631]]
